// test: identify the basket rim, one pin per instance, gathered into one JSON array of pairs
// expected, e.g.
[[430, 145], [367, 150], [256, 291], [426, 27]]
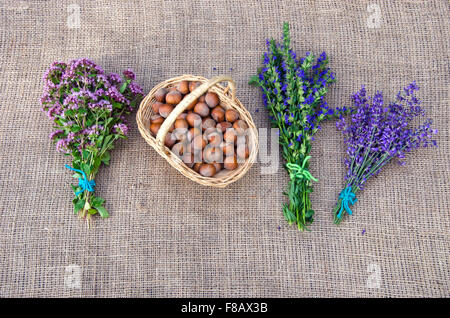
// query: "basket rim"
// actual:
[[145, 111]]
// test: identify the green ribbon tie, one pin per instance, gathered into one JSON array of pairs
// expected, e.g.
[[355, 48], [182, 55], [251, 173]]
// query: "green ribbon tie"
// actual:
[[347, 197], [83, 183], [300, 172]]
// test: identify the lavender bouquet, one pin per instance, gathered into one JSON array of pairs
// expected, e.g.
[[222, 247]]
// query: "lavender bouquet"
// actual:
[[293, 91], [88, 111], [377, 133]]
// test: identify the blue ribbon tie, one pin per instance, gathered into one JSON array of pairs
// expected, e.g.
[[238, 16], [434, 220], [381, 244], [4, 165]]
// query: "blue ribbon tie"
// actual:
[[83, 183], [347, 197]]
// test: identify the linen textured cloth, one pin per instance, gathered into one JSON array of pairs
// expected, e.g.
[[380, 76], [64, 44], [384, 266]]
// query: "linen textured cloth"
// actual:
[[170, 237]]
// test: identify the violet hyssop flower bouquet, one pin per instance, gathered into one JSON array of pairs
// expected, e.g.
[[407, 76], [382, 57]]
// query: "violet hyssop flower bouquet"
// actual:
[[377, 133], [88, 111]]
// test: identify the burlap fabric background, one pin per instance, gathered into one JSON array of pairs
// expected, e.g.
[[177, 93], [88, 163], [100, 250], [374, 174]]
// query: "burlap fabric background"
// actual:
[[170, 237]]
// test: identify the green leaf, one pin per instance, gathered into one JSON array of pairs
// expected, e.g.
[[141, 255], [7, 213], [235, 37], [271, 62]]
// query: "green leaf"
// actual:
[[123, 87], [97, 201], [79, 206], [309, 213], [69, 113], [86, 168], [254, 80], [75, 128], [117, 105], [106, 157], [86, 154], [106, 142], [103, 212], [92, 211]]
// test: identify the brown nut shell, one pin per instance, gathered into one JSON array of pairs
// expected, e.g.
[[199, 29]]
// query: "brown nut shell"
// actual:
[[198, 143], [218, 114], [223, 126], [212, 154], [181, 123], [230, 136], [214, 136], [207, 123], [160, 95], [194, 119], [240, 126], [154, 128], [173, 97], [165, 110], [227, 148], [178, 149], [231, 115], [230, 163], [212, 99], [183, 87], [207, 170], [155, 107], [156, 119], [202, 109], [169, 141], [193, 85], [242, 151]]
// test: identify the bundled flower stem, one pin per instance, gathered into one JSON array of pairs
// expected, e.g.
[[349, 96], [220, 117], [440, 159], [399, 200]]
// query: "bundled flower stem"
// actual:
[[88, 110], [377, 133], [293, 91]]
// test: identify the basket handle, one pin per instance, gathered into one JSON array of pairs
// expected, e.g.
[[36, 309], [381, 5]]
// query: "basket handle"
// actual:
[[188, 99]]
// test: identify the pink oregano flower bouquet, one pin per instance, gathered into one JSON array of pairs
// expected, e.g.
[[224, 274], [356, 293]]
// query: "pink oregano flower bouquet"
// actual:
[[88, 109]]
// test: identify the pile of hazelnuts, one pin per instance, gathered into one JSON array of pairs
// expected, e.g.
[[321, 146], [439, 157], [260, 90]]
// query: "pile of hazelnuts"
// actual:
[[207, 137]]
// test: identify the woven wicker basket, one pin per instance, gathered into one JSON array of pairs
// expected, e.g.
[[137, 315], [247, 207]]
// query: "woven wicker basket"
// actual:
[[227, 100]]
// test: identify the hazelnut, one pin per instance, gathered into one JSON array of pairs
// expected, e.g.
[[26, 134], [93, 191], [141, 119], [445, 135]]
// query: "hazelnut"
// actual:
[[183, 87], [173, 97], [156, 119], [202, 109], [178, 149], [180, 134], [165, 110], [240, 126], [212, 99], [218, 166], [188, 159], [223, 126], [193, 85], [160, 95], [230, 136], [207, 170], [198, 143], [154, 128], [208, 122], [242, 151], [231, 115], [194, 132], [197, 166], [212, 154], [213, 136], [230, 163], [155, 107], [181, 123], [227, 148], [194, 119], [182, 116], [169, 141], [218, 114]]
